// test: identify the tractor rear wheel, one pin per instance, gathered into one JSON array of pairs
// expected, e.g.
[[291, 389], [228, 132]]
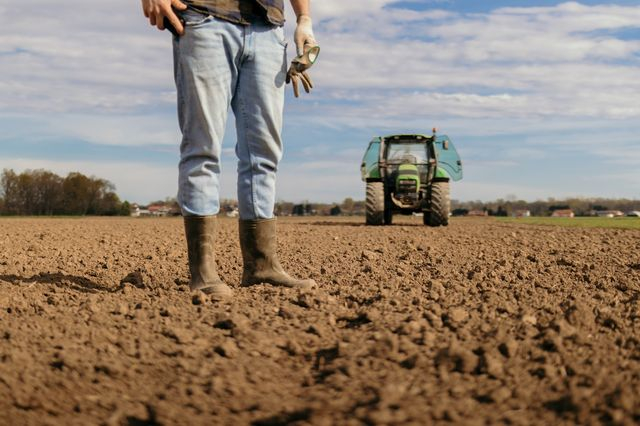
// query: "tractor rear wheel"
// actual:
[[375, 203], [440, 205]]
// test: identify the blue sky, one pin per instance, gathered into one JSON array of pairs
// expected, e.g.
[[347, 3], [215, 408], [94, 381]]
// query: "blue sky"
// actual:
[[540, 97]]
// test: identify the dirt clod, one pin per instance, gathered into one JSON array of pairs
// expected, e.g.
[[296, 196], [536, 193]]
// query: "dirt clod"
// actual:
[[457, 316], [134, 278]]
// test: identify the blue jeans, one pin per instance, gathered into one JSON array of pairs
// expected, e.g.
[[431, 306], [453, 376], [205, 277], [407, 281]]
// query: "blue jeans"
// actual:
[[218, 64]]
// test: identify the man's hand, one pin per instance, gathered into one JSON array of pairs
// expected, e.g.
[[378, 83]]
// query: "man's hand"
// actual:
[[307, 50], [158, 10], [303, 36]]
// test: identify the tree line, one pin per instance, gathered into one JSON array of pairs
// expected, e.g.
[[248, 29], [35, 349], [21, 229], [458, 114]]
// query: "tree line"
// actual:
[[500, 207], [348, 207], [43, 193], [580, 206]]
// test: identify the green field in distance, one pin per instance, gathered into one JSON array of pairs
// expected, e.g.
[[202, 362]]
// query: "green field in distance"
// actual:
[[580, 222]]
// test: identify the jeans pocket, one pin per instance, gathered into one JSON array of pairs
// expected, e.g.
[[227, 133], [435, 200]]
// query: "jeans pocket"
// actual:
[[193, 18], [278, 33]]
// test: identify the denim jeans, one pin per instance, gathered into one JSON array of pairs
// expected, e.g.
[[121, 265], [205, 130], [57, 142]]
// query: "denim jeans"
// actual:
[[218, 64]]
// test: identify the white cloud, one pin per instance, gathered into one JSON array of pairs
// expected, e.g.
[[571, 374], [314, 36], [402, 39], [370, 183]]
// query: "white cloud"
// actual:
[[119, 129], [511, 62], [328, 9], [80, 57]]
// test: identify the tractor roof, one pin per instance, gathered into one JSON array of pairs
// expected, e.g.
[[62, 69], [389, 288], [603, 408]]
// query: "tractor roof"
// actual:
[[405, 137]]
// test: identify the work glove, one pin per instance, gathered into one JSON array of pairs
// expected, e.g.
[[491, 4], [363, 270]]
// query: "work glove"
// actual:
[[161, 13], [307, 50]]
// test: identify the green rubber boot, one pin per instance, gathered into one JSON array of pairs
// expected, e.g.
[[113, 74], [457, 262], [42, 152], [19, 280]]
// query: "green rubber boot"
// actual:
[[201, 237], [261, 265]]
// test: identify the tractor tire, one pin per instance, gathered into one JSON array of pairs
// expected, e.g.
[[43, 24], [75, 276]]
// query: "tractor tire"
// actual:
[[440, 205], [375, 203]]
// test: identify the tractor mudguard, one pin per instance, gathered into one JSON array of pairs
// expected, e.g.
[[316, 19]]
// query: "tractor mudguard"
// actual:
[[448, 158], [442, 174], [370, 167]]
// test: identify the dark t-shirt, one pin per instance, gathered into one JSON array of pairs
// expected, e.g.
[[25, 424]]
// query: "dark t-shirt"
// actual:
[[242, 11]]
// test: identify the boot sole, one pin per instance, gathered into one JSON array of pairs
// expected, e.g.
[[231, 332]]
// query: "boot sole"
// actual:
[[215, 292], [309, 286]]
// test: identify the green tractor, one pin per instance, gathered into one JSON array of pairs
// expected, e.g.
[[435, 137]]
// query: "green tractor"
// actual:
[[408, 174]]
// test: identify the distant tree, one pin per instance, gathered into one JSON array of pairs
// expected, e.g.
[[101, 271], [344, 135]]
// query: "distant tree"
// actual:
[[33, 192], [102, 198], [283, 208], [308, 209], [26, 193], [359, 207], [89, 196], [173, 203], [347, 205], [298, 210], [9, 192], [109, 205], [40, 192], [125, 209], [48, 192], [459, 212], [77, 194], [336, 211]]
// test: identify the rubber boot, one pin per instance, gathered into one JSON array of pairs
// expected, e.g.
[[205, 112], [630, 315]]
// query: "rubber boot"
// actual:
[[261, 265], [201, 237]]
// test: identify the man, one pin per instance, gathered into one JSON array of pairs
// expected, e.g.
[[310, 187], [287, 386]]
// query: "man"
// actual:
[[231, 53]]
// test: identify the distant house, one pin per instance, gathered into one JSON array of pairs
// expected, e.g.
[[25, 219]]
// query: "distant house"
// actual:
[[609, 213], [563, 213], [159, 210], [155, 210], [135, 210], [521, 213], [478, 213]]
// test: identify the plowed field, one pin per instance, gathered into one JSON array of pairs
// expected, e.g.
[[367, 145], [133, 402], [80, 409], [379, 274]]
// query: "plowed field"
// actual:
[[478, 323]]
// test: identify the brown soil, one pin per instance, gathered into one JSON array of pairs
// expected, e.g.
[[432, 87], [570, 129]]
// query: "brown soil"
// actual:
[[477, 323]]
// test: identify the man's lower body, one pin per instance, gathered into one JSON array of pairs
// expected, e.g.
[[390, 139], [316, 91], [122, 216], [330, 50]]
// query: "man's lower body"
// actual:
[[217, 65]]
